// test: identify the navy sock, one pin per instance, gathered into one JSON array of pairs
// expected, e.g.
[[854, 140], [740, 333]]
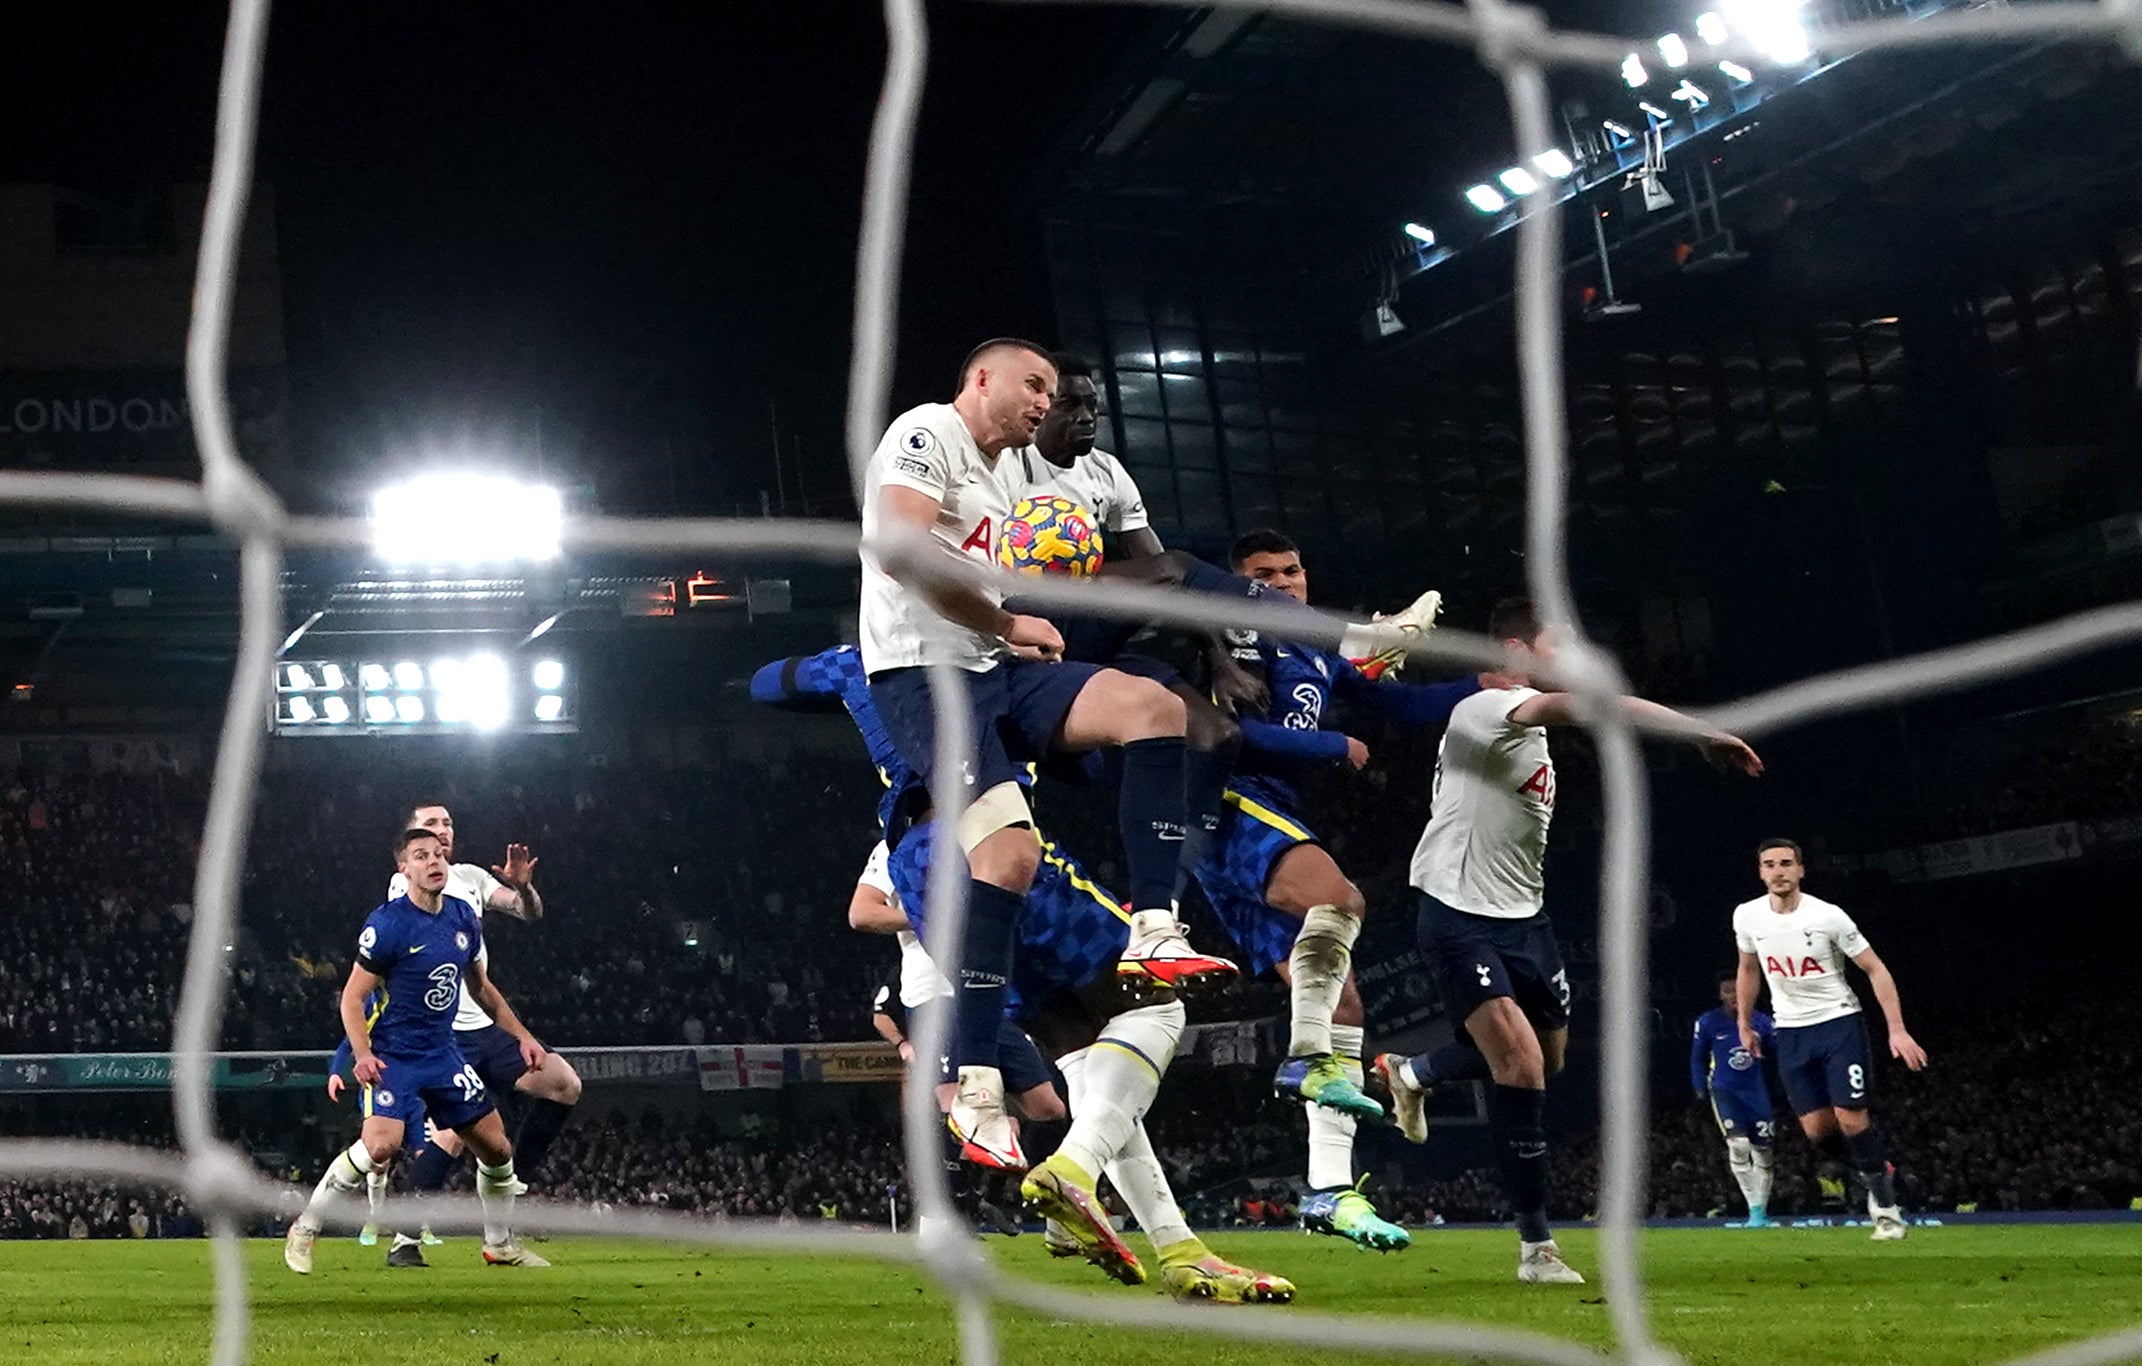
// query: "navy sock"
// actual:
[[429, 1169], [1866, 1149], [1204, 783], [1517, 1117], [1150, 813], [985, 962], [537, 1132], [1454, 1061]]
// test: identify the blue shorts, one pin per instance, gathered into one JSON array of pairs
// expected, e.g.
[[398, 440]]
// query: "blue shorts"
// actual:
[[1741, 1115], [1826, 1065], [1480, 958], [495, 1054], [1017, 1058], [1071, 932], [1257, 829], [1017, 708], [444, 1085]]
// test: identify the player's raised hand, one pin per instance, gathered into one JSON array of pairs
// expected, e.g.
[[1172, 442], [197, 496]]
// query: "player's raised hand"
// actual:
[[533, 1053], [1905, 1049], [335, 1087], [1356, 753], [1733, 752], [1033, 638], [369, 1069], [518, 868], [1751, 1040]]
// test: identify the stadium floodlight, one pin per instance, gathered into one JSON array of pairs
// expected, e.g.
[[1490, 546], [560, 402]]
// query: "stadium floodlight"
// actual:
[[1696, 96], [336, 711], [300, 676], [1424, 236], [301, 709], [1632, 71], [466, 518], [409, 676], [1711, 28], [374, 677], [1486, 199], [1620, 132], [1519, 181], [1774, 25], [378, 710], [451, 708], [1674, 50], [1737, 72], [409, 708], [549, 674], [549, 707], [1555, 162], [445, 675], [331, 677], [1654, 111]]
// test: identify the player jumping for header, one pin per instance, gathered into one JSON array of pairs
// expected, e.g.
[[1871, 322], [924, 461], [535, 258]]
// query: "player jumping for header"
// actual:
[[416, 950], [1799, 944], [1479, 871], [1729, 1079]]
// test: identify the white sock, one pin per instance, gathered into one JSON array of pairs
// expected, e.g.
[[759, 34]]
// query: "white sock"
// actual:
[[375, 1192], [1331, 1133], [494, 1189], [1740, 1156], [343, 1177], [404, 1240], [1135, 1172], [1121, 1076], [1761, 1196], [1323, 954]]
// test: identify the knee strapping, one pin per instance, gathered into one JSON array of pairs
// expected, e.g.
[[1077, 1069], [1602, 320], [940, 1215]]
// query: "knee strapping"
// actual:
[[1740, 1153], [1002, 807], [1149, 1033]]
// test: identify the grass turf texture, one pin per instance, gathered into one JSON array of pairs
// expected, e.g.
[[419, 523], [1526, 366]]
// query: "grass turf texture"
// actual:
[[1954, 1294]]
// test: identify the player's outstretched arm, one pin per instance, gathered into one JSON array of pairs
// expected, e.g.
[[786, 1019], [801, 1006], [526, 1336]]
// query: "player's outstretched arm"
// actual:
[[494, 1004], [1029, 637], [889, 1030], [1564, 709], [356, 1030], [1746, 986], [1902, 1046], [873, 912], [518, 896]]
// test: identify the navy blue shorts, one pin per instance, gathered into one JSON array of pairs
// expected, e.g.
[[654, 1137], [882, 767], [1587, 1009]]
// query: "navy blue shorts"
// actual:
[[1479, 958], [1257, 829], [1743, 1116], [1017, 708], [1017, 1058], [1071, 933], [444, 1085], [1826, 1065], [495, 1054]]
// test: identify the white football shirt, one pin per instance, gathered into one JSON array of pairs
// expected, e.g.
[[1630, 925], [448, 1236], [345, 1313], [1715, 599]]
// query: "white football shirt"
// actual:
[[929, 449], [1803, 953], [473, 884], [1096, 481], [1486, 839], [920, 981]]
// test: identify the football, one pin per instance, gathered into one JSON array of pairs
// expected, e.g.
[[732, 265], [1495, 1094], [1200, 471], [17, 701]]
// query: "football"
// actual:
[[1049, 534]]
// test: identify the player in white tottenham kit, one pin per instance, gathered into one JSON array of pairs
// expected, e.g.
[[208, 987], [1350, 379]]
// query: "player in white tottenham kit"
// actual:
[[553, 1089], [938, 470], [1799, 943], [1479, 873]]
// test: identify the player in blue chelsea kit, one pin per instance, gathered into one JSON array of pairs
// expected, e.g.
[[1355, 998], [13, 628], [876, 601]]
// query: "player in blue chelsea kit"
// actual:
[[1730, 1078], [1281, 895], [414, 952]]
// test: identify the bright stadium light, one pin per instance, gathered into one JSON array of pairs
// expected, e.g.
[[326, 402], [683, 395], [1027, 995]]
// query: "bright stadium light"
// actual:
[[549, 707], [378, 710], [1555, 162], [1620, 132], [409, 676], [1696, 96], [1519, 181], [1424, 236], [1711, 28], [301, 709], [1654, 111], [1674, 50], [336, 711], [451, 708], [1632, 71], [1774, 25], [374, 677], [445, 675], [1737, 72], [409, 708], [466, 518], [300, 676], [1486, 199], [549, 674], [331, 677]]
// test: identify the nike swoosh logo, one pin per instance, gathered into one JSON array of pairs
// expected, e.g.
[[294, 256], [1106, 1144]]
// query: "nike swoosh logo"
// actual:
[[1172, 839], [417, 949]]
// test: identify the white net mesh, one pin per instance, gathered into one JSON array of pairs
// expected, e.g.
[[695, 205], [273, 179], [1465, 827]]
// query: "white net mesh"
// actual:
[[1514, 42]]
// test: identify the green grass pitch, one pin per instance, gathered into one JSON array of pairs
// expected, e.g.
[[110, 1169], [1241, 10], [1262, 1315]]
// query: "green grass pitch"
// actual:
[[1731, 1297]]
